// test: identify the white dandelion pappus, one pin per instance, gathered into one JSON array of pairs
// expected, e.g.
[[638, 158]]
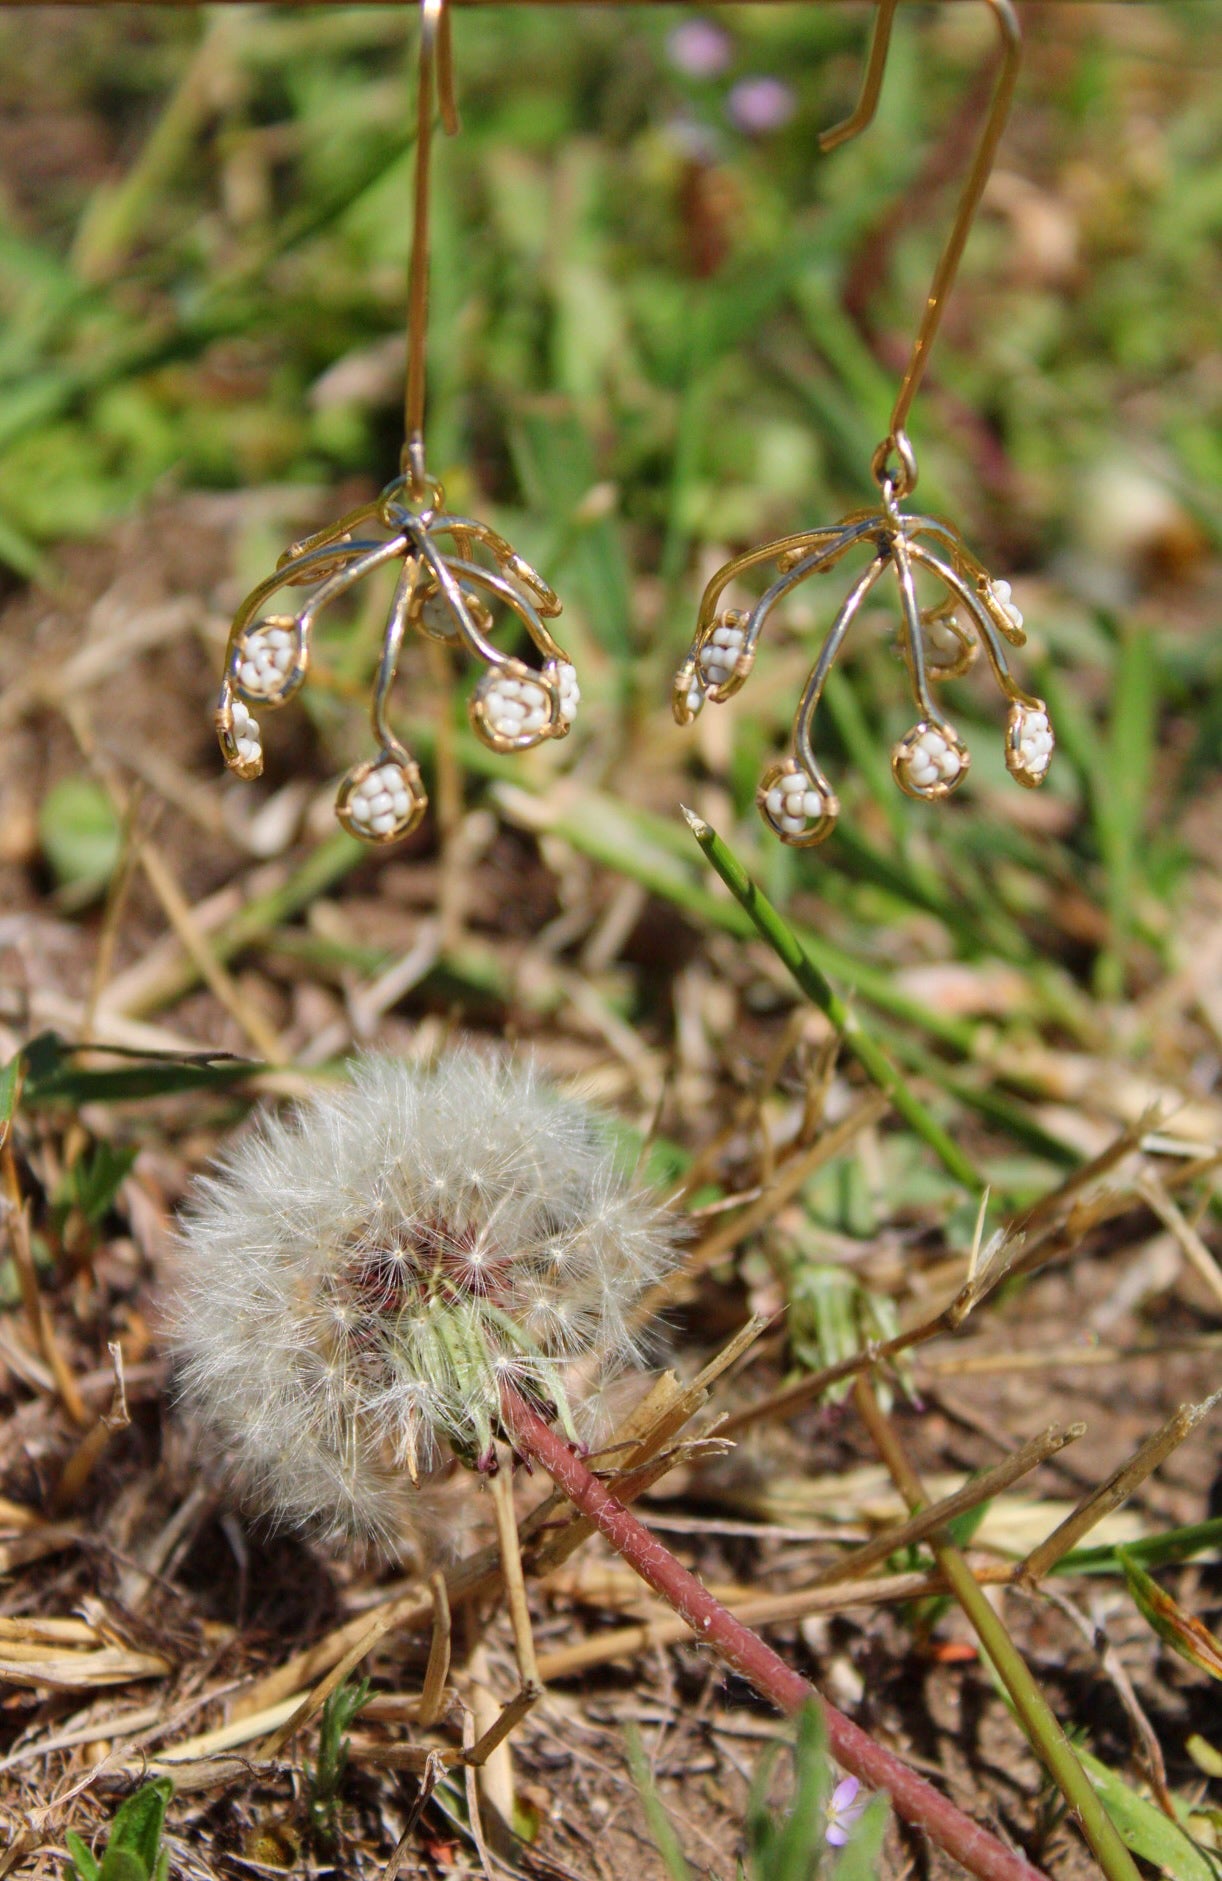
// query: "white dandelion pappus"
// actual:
[[358, 1278]]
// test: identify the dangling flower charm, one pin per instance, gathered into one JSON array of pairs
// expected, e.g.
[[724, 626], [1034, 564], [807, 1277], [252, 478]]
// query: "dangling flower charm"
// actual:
[[937, 642], [446, 592]]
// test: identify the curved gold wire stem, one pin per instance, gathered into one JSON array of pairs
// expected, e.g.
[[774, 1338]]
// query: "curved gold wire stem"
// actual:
[[812, 692], [435, 90], [959, 590], [392, 644], [863, 111], [965, 215]]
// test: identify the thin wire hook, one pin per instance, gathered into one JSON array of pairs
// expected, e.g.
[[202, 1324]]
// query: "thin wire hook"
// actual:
[[965, 215], [863, 111], [896, 442], [435, 90]]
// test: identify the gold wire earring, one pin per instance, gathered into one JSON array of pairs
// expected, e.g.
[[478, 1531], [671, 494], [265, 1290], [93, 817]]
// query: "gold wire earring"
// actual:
[[936, 642], [456, 574]]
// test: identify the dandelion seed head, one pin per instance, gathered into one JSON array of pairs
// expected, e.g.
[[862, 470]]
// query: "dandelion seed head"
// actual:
[[357, 1278]]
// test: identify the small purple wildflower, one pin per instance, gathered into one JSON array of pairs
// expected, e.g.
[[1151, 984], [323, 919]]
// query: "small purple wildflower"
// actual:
[[759, 105], [699, 49], [843, 1811]]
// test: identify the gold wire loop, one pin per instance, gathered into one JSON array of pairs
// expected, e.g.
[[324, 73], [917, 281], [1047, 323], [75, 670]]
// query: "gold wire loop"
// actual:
[[898, 482], [863, 111], [435, 91]]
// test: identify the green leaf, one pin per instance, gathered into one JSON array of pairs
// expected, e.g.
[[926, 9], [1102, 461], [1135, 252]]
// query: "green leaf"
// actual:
[[795, 1844], [337, 1715], [1146, 1830], [121, 1864], [1204, 1755], [94, 1179], [52, 1077], [79, 833], [1177, 1544], [1183, 1632], [84, 1866], [661, 1828], [10, 1092], [137, 1826]]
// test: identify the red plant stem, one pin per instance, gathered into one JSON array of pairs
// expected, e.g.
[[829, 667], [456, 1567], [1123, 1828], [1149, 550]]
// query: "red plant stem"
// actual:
[[914, 1799]]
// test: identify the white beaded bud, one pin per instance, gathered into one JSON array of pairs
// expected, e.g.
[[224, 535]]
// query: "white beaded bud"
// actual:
[[718, 658], [268, 662], [247, 742], [1001, 592], [513, 710], [570, 692], [238, 732], [796, 807], [437, 619], [1029, 744], [949, 647], [687, 693], [381, 802], [929, 762]]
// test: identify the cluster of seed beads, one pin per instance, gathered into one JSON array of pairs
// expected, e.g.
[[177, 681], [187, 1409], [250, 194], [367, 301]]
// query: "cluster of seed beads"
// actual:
[[1029, 744], [949, 650], [244, 731], [1001, 592], [570, 691], [380, 802], [720, 653], [793, 803], [515, 708], [929, 761], [268, 655]]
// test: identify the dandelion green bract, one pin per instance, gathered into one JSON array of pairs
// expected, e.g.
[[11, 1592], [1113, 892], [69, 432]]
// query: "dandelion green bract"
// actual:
[[359, 1278]]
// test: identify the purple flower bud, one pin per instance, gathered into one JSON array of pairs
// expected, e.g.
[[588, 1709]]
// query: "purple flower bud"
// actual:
[[759, 105], [699, 49]]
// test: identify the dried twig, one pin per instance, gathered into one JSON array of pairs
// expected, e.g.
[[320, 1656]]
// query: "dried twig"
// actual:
[[1117, 1489]]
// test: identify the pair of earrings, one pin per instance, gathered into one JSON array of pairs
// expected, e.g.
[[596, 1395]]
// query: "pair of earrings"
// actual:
[[457, 574]]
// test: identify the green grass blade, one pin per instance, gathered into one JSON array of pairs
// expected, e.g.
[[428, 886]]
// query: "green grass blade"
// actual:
[[818, 988], [661, 1828]]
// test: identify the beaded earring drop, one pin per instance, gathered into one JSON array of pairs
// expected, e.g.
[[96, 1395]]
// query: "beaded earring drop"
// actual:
[[938, 641], [455, 576]]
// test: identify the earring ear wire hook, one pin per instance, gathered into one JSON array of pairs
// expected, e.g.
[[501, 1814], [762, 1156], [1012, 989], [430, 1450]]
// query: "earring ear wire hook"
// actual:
[[858, 120], [435, 91], [965, 215], [863, 111]]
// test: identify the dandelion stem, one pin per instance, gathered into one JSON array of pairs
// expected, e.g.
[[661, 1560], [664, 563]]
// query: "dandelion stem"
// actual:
[[914, 1799], [817, 987]]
